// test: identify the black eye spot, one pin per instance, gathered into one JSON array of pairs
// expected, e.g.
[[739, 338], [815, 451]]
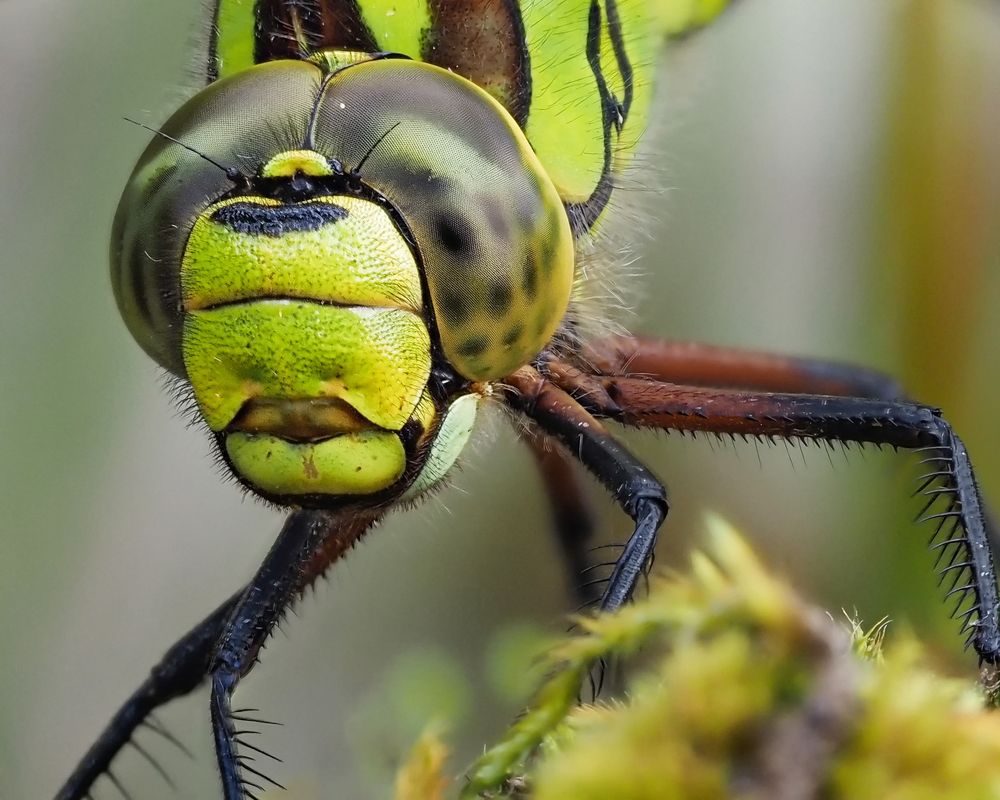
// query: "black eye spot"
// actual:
[[513, 335], [455, 308], [529, 278], [453, 234], [541, 321], [499, 298], [473, 347], [547, 253]]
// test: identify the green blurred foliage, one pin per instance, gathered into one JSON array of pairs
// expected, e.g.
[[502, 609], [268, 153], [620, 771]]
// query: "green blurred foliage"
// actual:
[[746, 691], [421, 688], [834, 189]]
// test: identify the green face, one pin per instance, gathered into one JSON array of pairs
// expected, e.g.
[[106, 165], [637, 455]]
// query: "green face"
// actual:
[[363, 226]]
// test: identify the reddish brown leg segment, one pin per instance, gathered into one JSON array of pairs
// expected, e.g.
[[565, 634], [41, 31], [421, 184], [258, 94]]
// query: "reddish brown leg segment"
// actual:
[[632, 485], [572, 514], [700, 364], [647, 403]]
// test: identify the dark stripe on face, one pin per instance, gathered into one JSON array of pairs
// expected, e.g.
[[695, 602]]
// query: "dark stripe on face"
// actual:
[[483, 41], [324, 24], [258, 220]]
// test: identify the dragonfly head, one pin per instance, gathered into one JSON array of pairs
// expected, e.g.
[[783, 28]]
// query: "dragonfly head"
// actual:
[[308, 245]]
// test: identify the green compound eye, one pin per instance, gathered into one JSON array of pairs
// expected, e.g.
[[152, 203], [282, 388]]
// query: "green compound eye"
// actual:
[[235, 123], [295, 261], [494, 239]]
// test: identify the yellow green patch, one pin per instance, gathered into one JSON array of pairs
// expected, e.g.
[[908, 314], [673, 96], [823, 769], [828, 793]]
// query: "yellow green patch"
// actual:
[[290, 162], [359, 259], [376, 360], [359, 463]]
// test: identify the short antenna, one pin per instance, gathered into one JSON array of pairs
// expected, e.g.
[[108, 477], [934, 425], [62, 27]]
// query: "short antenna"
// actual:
[[231, 172]]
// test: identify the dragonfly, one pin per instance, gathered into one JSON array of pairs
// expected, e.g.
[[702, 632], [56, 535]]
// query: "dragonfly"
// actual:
[[377, 219]]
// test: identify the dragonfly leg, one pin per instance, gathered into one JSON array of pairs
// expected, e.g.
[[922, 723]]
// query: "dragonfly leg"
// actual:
[[180, 671], [187, 663], [572, 512], [309, 542], [632, 485], [698, 364], [963, 523]]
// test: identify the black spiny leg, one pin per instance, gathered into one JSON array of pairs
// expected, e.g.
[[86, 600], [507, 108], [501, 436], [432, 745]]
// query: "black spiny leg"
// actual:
[[179, 672], [963, 524], [187, 663], [714, 367], [247, 627], [309, 541], [632, 485]]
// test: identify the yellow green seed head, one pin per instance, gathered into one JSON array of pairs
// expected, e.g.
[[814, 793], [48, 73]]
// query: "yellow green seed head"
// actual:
[[739, 678]]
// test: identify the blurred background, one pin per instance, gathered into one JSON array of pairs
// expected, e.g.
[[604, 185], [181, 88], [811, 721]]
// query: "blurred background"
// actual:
[[832, 187]]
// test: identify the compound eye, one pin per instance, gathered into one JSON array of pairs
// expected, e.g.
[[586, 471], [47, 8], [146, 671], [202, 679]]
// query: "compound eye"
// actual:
[[234, 123], [491, 230], [455, 235]]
